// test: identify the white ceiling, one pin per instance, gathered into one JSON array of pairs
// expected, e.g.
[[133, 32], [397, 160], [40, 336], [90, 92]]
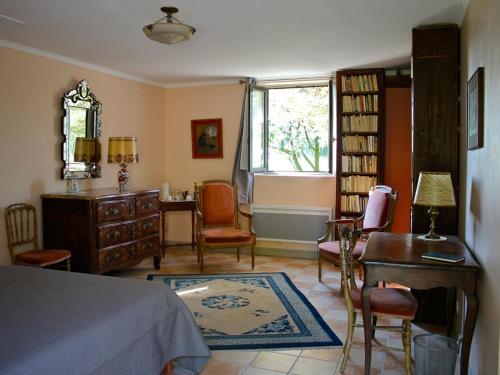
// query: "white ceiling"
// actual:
[[234, 38]]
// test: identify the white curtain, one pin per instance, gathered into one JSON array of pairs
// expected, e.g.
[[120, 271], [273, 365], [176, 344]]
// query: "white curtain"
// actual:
[[241, 175]]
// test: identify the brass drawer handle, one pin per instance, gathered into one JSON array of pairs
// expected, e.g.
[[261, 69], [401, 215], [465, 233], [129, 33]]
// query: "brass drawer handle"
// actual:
[[116, 255], [112, 211], [147, 205], [147, 225], [112, 234]]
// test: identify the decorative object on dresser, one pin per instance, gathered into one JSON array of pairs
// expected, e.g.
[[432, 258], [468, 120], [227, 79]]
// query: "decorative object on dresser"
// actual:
[[206, 138], [475, 110], [22, 230], [105, 230], [81, 120], [377, 217], [360, 138], [123, 151], [217, 219], [434, 189]]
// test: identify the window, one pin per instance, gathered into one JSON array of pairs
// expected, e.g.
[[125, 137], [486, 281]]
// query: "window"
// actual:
[[291, 128]]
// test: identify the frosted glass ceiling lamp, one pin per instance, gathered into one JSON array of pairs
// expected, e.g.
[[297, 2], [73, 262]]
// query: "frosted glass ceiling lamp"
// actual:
[[169, 30]]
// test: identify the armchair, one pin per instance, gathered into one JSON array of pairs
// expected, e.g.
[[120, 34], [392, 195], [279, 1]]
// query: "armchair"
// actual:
[[378, 217], [217, 224]]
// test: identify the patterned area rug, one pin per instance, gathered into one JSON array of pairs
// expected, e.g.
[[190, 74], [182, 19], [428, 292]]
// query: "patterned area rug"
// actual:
[[251, 311]]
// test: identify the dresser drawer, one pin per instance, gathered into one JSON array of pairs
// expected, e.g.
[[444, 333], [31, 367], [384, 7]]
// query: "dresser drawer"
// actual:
[[147, 226], [147, 204], [113, 257], [114, 210], [150, 246], [112, 234]]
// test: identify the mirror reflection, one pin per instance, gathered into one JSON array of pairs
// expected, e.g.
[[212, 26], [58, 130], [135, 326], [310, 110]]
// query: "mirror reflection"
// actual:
[[81, 150]]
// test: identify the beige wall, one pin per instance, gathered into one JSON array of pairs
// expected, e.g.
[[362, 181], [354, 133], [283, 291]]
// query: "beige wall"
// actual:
[[225, 101], [31, 88], [480, 177]]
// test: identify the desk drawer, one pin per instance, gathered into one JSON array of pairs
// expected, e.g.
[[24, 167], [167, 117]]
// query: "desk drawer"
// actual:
[[114, 210], [112, 234], [112, 257], [147, 226], [150, 246], [147, 204]]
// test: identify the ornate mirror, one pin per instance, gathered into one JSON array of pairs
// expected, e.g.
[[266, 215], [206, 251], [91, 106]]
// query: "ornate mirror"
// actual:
[[81, 149]]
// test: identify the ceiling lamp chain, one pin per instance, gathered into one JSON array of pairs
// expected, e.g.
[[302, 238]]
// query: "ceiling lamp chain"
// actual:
[[168, 30]]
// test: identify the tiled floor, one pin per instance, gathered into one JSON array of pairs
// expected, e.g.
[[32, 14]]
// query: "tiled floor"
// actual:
[[324, 296]]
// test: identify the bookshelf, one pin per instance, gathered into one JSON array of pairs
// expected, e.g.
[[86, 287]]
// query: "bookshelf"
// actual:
[[360, 138]]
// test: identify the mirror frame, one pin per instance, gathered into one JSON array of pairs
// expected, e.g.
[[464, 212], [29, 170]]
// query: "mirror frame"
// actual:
[[81, 93]]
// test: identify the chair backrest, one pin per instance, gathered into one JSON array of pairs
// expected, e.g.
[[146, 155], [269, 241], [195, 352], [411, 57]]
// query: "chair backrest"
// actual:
[[347, 241], [381, 207], [217, 201], [21, 226]]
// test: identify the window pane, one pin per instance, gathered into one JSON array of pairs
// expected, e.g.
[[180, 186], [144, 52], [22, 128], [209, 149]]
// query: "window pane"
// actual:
[[257, 133], [299, 129]]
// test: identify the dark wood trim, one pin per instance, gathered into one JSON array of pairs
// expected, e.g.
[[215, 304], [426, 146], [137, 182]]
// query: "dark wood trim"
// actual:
[[397, 82]]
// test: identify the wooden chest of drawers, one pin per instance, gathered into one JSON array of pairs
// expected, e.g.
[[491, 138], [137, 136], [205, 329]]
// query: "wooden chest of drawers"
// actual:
[[105, 230]]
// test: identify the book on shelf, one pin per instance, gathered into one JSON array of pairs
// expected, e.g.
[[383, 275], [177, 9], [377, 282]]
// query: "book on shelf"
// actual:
[[359, 123], [359, 143], [360, 103], [443, 257], [353, 203], [360, 82], [359, 164], [357, 184]]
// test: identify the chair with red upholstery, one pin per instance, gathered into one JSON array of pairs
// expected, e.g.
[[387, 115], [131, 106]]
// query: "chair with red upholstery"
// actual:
[[20, 222], [378, 216], [396, 303], [217, 224]]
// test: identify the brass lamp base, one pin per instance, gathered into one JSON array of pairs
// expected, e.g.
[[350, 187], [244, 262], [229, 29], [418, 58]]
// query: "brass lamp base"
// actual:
[[432, 235]]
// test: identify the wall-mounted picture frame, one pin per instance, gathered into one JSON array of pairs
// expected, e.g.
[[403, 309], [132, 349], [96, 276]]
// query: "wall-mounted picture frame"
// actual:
[[475, 110], [206, 138]]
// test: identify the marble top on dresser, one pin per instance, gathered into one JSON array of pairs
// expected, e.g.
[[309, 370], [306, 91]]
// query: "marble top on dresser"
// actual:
[[98, 193]]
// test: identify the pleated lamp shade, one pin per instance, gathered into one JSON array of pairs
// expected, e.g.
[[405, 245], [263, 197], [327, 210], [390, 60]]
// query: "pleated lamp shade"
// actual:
[[122, 150], [434, 189]]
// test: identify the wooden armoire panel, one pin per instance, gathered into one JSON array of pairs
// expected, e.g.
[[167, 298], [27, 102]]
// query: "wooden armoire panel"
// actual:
[[435, 95]]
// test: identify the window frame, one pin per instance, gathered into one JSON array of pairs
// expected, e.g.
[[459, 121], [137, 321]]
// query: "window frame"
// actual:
[[331, 125]]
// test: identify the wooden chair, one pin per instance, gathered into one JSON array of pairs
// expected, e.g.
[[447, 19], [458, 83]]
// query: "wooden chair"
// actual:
[[378, 216], [21, 225], [217, 224], [389, 302]]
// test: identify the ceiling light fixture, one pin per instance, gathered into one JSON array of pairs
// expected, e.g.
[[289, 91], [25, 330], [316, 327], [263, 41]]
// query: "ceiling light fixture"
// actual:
[[169, 30]]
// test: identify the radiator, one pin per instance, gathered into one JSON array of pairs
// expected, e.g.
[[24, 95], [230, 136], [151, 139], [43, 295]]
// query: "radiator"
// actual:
[[290, 223]]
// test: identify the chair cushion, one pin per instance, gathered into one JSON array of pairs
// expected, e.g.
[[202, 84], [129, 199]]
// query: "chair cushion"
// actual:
[[388, 301], [331, 249], [377, 209], [226, 235], [43, 257], [218, 204]]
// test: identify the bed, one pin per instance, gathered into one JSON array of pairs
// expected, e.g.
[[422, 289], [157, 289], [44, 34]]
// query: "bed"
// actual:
[[56, 322]]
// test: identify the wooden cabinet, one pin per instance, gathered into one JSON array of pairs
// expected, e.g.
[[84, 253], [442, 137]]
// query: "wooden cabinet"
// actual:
[[360, 138], [105, 230], [435, 94]]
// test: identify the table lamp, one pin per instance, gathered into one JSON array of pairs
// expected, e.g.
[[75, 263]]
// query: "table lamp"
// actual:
[[434, 189], [122, 150]]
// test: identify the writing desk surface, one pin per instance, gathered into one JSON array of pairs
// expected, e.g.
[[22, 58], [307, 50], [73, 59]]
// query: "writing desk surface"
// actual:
[[407, 249]]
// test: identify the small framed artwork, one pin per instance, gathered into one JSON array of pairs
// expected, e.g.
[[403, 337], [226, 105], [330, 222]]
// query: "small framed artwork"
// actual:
[[475, 110], [206, 138]]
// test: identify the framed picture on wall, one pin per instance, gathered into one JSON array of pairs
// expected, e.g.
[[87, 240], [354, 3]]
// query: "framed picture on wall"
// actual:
[[206, 138], [475, 110]]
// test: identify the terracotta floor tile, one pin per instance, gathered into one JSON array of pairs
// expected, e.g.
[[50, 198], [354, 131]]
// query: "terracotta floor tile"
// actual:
[[214, 367], [308, 366], [274, 361], [332, 355], [240, 357], [259, 371]]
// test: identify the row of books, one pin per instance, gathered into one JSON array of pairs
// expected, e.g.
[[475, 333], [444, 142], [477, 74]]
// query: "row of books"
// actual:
[[363, 82], [365, 163], [357, 184], [353, 203], [359, 123], [360, 103], [359, 143]]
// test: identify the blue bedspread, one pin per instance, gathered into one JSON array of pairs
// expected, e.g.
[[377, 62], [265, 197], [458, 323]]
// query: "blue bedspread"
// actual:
[[56, 322]]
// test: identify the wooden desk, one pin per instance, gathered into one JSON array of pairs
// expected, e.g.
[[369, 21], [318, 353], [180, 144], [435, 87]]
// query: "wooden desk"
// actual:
[[166, 206], [396, 258]]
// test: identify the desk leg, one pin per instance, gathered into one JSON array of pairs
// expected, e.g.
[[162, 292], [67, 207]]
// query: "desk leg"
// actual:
[[163, 223], [192, 230], [366, 290], [470, 322]]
